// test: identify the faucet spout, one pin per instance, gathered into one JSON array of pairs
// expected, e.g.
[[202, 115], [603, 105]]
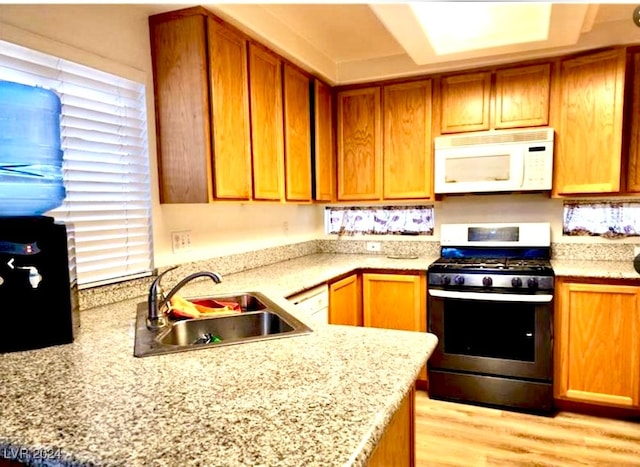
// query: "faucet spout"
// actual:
[[215, 277], [157, 300]]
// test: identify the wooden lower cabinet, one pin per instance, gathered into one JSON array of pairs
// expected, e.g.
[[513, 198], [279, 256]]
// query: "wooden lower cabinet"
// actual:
[[597, 342], [381, 300], [345, 301], [395, 301], [397, 445]]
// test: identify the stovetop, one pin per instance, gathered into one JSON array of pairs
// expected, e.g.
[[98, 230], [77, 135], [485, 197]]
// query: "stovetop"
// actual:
[[517, 271], [496, 258], [496, 265]]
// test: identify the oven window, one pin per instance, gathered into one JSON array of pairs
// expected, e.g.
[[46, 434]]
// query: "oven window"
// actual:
[[490, 329]]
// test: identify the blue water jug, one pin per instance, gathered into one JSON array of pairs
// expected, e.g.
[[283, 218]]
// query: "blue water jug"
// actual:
[[30, 150]]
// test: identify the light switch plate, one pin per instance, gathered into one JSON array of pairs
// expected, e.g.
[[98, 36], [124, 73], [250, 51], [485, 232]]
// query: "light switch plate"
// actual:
[[181, 241]]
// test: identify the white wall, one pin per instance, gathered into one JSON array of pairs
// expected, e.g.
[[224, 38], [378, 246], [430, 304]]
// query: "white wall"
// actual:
[[115, 38], [520, 207]]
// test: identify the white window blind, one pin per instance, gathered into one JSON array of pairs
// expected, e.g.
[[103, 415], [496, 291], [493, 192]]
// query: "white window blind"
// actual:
[[105, 165]]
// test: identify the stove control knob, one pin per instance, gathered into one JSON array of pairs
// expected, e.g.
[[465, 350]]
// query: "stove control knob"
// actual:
[[516, 282], [532, 282], [487, 281], [446, 280], [459, 280]]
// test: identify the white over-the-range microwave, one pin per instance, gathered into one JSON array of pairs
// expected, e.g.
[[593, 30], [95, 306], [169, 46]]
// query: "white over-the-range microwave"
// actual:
[[494, 161]]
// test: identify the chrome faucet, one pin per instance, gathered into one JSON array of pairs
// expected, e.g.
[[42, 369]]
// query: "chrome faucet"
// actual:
[[157, 299]]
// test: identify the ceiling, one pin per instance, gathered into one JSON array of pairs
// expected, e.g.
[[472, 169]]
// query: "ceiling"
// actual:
[[357, 42]]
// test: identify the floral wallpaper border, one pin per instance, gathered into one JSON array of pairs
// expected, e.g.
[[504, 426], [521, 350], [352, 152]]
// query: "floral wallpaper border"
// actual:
[[608, 219], [381, 220]]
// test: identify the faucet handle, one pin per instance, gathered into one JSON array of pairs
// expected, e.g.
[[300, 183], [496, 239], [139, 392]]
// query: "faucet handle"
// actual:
[[156, 301]]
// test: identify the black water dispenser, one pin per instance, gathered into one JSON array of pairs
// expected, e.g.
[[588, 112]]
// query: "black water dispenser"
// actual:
[[38, 289]]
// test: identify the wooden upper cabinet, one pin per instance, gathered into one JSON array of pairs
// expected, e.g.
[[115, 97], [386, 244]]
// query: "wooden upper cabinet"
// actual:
[[589, 130], [345, 301], [181, 88], [323, 152], [359, 144], [597, 347], [267, 130], [202, 110], [230, 113], [465, 102], [633, 168], [297, 134], [522, 96], [407, 160]]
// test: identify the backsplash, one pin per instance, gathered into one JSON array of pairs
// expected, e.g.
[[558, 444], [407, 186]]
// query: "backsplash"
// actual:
[[224, 265], [230, 264], [388, 247], [593, 251]]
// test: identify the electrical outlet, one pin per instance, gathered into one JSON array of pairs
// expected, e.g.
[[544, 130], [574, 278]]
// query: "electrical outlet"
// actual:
[[181, 241], [373, 246], [285, 227]]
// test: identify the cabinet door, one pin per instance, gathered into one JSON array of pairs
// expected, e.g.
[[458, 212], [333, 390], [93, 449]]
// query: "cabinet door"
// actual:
[[465, 101], [589, 133], [179, 58], [633, 170], [265, 85], [297, 135], [230, 113], [407, 159], [395, 301], [597, 348], [324, 159], [359, 145], [522, 96], [345, 301], [397, 445]]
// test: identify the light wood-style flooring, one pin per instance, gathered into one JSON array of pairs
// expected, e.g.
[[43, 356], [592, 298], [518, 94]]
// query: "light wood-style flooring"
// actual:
[[450, 434]]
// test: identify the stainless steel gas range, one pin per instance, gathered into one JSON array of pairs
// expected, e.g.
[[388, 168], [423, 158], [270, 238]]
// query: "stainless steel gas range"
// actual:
[[490, 303]]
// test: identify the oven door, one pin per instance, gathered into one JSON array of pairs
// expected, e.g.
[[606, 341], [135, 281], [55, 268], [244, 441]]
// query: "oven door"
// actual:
[[504, 334]]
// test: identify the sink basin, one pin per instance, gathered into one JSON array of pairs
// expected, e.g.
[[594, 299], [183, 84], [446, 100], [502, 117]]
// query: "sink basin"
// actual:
[[259, 319], [244, 326]]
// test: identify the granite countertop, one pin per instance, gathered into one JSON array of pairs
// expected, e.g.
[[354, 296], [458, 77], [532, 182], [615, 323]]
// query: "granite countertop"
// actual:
[[320, 399], [289, 277], [596, 269]]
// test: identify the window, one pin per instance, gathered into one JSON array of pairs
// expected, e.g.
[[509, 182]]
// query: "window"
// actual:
[[105, 166], [380, 220], [602, 218]]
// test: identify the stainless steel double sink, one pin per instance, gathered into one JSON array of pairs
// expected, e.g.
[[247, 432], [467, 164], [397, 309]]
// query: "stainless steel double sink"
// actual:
[[259, 319]]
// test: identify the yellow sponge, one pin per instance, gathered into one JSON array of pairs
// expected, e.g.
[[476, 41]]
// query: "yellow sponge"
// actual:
[[181, 307]]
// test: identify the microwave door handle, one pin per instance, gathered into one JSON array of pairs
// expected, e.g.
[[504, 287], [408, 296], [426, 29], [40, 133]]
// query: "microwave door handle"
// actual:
[[524, 166]]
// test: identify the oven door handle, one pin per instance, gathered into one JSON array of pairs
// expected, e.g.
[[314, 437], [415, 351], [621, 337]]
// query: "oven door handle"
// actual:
[[491, 297]]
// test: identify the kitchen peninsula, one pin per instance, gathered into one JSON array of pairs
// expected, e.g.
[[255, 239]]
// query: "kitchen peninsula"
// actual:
[[324, 398]]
